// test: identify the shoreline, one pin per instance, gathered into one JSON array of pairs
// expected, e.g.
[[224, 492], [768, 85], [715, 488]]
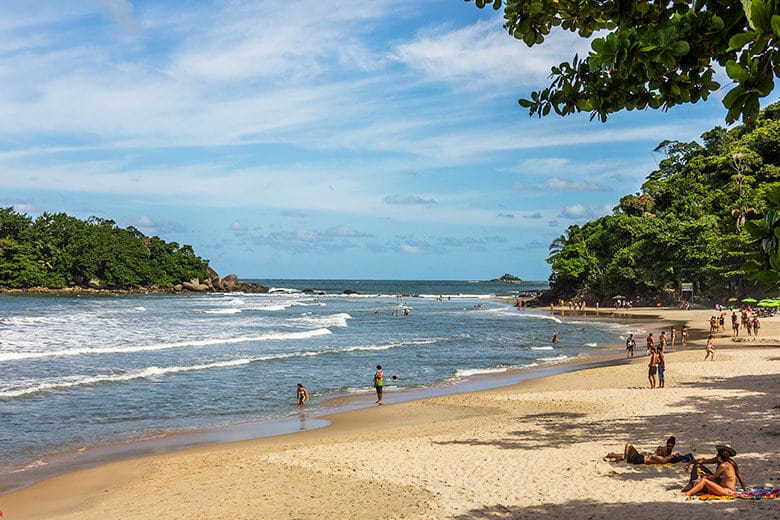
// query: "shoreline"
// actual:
[[22, 475], [420, 414], [18, 477]]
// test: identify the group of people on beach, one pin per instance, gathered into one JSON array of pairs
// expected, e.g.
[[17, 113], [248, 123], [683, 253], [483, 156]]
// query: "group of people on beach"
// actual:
[[747, 320], [721, 482], [656, 353], [378, 383]]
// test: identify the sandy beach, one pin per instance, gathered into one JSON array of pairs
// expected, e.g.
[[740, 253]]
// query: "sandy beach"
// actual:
[[532, 450]]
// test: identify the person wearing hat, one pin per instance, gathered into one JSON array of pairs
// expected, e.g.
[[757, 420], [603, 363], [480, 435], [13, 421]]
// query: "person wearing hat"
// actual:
[[723, 482]]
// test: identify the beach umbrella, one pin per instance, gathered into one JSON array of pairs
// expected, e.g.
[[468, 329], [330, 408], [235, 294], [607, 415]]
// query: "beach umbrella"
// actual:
[[749, 300], [733, 299], [618, 297], [767, 303]]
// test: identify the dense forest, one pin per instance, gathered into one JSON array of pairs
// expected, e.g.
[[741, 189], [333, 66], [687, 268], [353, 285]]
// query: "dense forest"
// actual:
[[687, 224], [58, 251]]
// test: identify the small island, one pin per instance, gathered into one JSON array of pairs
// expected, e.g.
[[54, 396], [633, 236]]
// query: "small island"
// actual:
[[507, 278]]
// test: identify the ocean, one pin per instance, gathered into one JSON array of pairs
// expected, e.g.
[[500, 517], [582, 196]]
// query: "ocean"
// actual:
[[81, 374]]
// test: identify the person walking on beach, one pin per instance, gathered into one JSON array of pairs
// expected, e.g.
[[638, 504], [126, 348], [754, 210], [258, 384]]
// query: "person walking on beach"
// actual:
[[303, 395], [735, 324], [662, 340], [756, 326], [379, 383], [672, 336], [652, 368], [630, 345], [684, 336], [650, 343], [710, 349]]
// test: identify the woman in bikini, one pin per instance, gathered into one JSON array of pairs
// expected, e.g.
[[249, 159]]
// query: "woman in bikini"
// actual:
[[710, 349], [724, 481]]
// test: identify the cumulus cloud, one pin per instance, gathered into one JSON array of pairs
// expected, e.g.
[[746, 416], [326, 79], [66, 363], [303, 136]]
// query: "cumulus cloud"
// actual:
[[407, 200], [534, 216], [506, 215], [576, 211]]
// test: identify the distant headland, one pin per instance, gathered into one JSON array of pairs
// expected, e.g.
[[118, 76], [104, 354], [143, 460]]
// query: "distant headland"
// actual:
[[56, 253]]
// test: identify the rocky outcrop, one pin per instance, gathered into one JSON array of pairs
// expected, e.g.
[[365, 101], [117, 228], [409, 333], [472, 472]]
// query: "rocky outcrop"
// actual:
[[215, 283]]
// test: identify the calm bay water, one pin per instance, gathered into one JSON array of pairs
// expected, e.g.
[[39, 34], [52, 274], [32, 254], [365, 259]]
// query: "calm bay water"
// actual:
[[92, 370]]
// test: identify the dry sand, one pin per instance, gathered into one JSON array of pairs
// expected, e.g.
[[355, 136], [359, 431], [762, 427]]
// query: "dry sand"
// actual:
[[533, 450]]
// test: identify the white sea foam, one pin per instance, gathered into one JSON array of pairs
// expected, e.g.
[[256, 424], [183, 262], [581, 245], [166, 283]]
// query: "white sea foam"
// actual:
[[538, 316], [16, 356], [480, 371], [554, 359], [542, 348], [369, 348], [591, 344], [332, 320], [283, 290], [231, 310]]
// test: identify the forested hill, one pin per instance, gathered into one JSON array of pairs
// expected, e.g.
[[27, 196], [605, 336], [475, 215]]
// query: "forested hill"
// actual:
[[686, 224], [58, 251]]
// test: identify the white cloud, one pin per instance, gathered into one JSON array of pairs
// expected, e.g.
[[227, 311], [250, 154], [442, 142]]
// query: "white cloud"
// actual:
[[486, 53], [576, 211], [407, 200], [556, 183], [410, 249]]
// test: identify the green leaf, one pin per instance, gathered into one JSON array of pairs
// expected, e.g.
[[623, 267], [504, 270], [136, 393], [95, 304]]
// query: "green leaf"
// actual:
[[736, 72], [776, 25], [774, 196], [747, 5], [681, 48], [767, 277], [738, 41], [759, 15]]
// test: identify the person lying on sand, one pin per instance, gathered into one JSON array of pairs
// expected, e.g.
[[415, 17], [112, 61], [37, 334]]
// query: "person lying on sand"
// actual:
[[723, 482], [661, 455]]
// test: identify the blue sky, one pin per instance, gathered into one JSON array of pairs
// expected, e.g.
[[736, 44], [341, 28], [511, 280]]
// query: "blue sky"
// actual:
[[312, 139]]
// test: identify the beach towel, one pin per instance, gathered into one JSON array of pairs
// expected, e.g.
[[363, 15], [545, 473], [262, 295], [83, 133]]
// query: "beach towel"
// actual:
[[755, 493]]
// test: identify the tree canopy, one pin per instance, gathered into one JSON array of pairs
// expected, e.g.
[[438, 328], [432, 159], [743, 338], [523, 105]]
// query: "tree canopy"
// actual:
[[708, 211], [56, 250], [652, 54]]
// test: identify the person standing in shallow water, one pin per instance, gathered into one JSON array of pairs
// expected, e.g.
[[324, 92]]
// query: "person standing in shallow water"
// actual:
[[303, 395], [379, 383]]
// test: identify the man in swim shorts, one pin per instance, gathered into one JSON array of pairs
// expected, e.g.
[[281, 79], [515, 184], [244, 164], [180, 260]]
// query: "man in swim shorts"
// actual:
[[661, 455]]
